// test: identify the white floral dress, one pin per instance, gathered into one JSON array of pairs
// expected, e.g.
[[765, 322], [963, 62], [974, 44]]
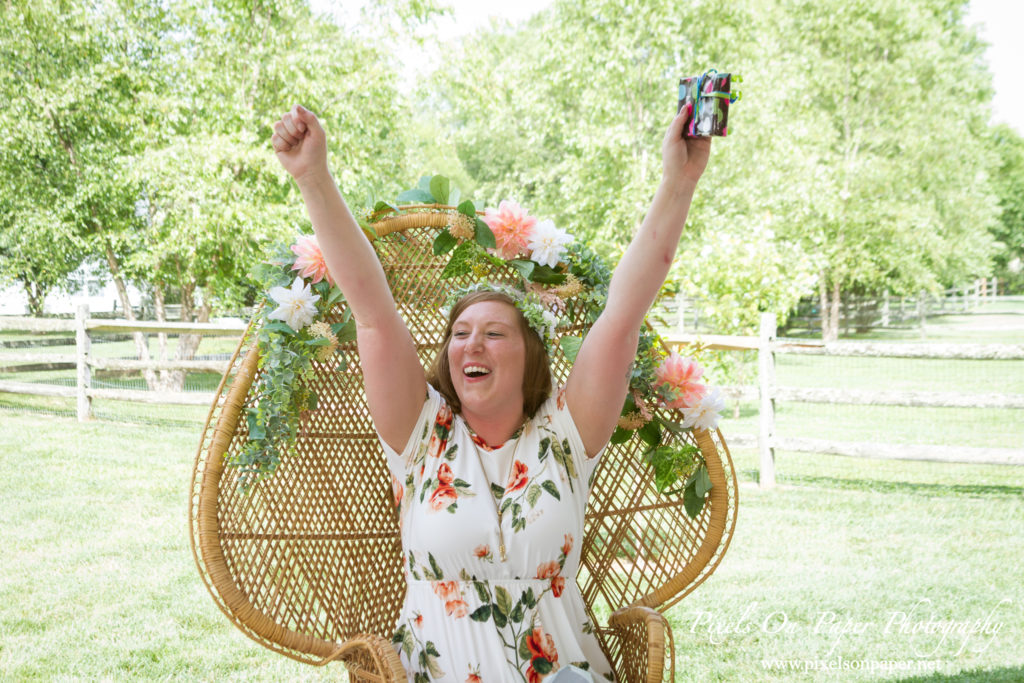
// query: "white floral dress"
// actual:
[[468, 616]]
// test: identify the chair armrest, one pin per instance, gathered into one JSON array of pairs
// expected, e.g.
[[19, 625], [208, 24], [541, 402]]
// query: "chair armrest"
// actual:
[[369, 659], [645, 638]]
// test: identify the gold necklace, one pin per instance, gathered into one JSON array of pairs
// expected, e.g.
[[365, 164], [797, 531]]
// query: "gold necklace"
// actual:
[[508, 476]]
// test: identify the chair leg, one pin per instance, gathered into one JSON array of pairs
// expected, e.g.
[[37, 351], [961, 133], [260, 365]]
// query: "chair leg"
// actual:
[[646, 640]]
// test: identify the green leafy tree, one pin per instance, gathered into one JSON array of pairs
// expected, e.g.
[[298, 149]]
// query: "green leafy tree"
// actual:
[[64, 125], [897, 99], [848, 167], [1008, 180]]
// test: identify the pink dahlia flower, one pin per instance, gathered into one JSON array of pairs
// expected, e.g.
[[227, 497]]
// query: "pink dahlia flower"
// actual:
[[310, 262], [512, 227], [678, 381]]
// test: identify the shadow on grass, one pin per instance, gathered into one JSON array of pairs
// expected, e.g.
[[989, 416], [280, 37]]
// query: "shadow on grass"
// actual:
[[887, 486], [1003, 675]]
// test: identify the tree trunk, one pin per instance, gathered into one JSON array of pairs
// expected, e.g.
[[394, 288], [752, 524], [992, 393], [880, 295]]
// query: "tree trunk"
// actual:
[[834, 317], [36, 298], [829, 308], [141, 343], [188, 344], [165, 381]]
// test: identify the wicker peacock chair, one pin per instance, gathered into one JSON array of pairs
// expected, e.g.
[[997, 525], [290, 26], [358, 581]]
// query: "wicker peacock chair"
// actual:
[[309, 564]]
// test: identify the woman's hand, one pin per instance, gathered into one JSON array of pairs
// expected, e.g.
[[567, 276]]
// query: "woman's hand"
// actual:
[[300, 143], [683, 159]]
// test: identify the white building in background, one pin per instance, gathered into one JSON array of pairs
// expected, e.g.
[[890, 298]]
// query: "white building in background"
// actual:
[[93, 287]]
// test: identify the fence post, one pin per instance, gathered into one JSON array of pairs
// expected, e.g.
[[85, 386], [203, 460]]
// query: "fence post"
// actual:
[[920, 311], [84, 382], [885, 309], [681, 311], [994, 290], [766, 413]]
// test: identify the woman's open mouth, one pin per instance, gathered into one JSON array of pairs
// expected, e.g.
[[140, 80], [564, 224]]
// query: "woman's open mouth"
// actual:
[[475, 371]]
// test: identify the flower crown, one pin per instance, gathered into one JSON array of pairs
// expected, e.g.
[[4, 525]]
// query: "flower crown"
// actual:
[[538, 316]]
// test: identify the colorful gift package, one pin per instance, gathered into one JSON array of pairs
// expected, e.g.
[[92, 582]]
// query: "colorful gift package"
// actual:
[[711, 112]]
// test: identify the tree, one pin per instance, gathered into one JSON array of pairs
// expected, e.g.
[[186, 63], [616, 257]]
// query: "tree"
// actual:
[[63, 127], [845, 162], [901, 197], [1008, 180]]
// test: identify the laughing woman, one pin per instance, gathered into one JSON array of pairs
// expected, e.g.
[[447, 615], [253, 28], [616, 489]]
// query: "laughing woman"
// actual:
[[484, 425]]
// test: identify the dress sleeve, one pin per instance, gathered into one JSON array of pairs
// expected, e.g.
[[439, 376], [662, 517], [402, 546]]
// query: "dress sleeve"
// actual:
[[401, 463], [561, 417]]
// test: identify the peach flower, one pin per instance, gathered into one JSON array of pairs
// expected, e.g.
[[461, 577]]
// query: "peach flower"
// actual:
[[512, 227], [557, 586], [397, 489], [482, 550], [541, 646], [518, 478], [447, 590], [567, 545], [442, 497], [678, 381], [456, 608], [546, 570], [310, 262], [444, 474]]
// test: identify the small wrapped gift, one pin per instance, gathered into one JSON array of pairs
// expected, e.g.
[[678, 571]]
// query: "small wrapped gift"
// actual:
[[711, 91]]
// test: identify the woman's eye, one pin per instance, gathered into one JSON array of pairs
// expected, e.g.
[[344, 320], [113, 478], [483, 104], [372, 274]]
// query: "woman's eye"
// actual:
[[460, 334], [495, 334]]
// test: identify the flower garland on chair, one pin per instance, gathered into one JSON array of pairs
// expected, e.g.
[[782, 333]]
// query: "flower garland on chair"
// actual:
[[559, 278]]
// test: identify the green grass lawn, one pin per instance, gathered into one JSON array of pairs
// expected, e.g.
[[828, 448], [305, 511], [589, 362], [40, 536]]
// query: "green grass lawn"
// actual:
[[98, 581]]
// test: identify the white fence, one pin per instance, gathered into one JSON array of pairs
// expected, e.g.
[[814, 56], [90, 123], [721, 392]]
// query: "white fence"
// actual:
[[768, 393], [84, 327]]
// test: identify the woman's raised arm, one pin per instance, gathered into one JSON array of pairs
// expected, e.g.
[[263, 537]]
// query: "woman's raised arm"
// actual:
[[394, 377], [599, 379]]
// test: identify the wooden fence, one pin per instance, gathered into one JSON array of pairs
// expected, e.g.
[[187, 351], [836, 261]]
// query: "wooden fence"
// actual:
[[860, 313], [768, 393], [84, 327]]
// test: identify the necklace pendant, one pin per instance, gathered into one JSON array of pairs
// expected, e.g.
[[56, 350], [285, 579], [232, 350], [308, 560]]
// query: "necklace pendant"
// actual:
[[501, 551]]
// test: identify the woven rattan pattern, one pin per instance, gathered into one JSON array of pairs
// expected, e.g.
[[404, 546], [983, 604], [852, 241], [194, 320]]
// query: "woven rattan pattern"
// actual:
[[311, 559]]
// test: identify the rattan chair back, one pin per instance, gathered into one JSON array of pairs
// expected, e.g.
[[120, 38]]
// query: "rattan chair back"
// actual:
[[310, 558]]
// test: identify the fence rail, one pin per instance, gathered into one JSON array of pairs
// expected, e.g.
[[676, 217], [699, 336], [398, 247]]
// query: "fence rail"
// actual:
[[85, 363], [768, 393]]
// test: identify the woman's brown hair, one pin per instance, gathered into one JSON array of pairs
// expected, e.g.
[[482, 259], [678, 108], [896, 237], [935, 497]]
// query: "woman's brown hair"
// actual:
[[537, 369]]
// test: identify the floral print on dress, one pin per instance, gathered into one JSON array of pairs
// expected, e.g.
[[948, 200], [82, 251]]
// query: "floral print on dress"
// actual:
[[469, 615]]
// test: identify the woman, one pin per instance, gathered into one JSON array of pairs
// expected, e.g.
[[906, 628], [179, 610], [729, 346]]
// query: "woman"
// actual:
[[490, 473]]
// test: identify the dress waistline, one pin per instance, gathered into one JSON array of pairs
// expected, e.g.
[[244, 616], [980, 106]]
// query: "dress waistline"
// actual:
[[430, 582]]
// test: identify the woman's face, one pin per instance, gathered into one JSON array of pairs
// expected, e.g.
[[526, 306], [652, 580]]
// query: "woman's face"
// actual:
[[487, 357]]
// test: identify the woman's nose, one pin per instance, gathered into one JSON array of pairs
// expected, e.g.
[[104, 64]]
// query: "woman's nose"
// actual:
[[476, 340]]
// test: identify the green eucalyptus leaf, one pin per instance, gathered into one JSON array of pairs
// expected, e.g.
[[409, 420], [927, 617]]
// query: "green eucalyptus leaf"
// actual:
[[444, 242], [621, 435], [546, 275], [439, 187], [570, 347], [416, 196], [467, 208], [650, 433], [280, 326], [523, 267], [345, 332], [483, 234], [691, 501]]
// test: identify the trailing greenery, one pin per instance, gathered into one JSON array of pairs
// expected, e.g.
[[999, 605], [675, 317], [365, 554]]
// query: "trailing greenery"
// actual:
[[283, 395]]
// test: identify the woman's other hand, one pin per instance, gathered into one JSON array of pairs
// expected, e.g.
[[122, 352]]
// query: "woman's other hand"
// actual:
[[683, 159], [300, 143]]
